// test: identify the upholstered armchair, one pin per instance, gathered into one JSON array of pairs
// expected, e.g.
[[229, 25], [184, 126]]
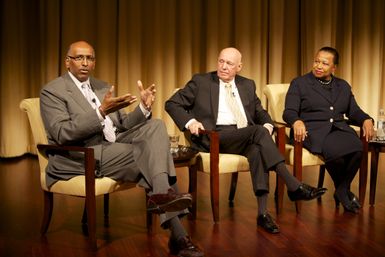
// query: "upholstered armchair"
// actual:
[[296, 155], [86, 186], [214, 164]]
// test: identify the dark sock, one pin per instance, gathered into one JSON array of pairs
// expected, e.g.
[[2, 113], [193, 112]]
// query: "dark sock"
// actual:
[[176, 228], [262, 204], [291, 182], [160, 183]]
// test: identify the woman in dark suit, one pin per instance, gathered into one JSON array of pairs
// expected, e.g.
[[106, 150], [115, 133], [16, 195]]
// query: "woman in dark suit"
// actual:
[[315, 106]]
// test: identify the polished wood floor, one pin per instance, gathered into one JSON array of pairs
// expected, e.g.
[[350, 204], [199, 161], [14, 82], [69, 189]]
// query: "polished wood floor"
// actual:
[[320, 230]]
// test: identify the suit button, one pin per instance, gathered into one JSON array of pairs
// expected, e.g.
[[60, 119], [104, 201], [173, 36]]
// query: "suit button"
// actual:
[[331, 120], [331, 108]]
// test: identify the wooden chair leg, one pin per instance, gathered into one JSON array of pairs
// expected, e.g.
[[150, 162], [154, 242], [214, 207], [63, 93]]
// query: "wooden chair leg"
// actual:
[[363, 175], [47, 214], [192, 189], [106, 205], [279, 191], [84, 216], [149, 216], [321, 179], [373, 175], [297, 169], [214, 195], [91, 220], [233, 188]]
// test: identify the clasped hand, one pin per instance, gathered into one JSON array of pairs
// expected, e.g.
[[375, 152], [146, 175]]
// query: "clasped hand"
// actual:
[[111, 104]]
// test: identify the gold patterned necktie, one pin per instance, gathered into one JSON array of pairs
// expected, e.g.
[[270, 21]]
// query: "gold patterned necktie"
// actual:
[[108, 127], [233, 105]]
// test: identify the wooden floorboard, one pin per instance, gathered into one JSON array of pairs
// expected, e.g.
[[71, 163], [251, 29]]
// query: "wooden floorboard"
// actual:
[[320, 230]]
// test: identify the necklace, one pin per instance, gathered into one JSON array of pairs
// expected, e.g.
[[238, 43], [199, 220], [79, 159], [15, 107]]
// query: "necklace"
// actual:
[[323, 82]]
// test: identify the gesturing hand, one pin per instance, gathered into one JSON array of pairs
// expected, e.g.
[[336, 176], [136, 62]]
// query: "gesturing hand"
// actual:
[[147, 96], [111, 104]]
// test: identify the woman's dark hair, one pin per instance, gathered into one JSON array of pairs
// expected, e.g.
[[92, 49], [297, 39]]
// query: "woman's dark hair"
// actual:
[[333, 51]]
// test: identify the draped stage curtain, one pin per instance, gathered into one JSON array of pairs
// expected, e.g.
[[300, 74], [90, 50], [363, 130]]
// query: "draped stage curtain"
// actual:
[[167, 41]]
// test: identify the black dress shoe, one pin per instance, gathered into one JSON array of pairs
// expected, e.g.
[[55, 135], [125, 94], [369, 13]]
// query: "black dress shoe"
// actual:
[[306, 192], [347, 203], [183, 247], [354, 199], [267, 223], [161, 203]]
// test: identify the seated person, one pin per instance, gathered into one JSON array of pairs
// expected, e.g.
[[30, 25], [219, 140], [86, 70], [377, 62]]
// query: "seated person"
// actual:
[[315, 106], [226, 102], [78, 109]]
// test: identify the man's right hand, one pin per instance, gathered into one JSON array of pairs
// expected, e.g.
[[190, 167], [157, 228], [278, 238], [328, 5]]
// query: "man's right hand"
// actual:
[[195, 126], [111, 104]]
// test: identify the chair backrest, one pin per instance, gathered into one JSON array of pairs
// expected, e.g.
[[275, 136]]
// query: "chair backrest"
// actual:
[[32, 107], [275, 94]]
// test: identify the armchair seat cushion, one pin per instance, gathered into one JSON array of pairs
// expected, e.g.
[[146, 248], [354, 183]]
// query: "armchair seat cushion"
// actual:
[[308, 159], [228, 163], [76, 186]]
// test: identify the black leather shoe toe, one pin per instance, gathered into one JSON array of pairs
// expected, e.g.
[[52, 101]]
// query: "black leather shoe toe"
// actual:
[[184, 247], [306, 192], [267, 223], [354, 200]]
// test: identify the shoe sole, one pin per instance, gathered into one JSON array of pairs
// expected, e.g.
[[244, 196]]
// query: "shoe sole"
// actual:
[[172, 206], [275, 231]]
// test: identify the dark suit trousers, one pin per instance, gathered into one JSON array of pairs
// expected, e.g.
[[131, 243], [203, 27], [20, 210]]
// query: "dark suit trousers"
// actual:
[[255, 143]]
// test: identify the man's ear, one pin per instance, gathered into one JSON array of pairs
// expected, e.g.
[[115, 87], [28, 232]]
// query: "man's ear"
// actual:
[[67, 62], [239, 67]]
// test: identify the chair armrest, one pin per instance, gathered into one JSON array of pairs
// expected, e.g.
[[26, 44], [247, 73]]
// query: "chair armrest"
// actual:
[[89, 161], [278, 124], [214, 144]]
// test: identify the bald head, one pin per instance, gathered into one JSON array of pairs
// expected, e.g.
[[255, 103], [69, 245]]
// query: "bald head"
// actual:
[[229, 64], [79, 45]]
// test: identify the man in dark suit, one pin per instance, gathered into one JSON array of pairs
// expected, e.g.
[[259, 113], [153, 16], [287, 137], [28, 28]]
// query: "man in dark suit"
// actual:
[[315, 106], [78, 109], [226, 102]]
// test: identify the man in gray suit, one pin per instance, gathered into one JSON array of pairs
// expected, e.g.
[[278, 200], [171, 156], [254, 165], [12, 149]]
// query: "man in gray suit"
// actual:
[[78, 109], [226, 102]]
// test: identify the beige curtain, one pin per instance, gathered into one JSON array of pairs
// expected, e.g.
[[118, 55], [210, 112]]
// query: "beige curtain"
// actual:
[[166, 41]]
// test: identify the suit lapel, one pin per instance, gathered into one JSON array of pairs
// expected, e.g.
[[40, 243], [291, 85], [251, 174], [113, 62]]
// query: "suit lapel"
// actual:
[[318, 89], [214, 95], [336, 90], [75, 93]]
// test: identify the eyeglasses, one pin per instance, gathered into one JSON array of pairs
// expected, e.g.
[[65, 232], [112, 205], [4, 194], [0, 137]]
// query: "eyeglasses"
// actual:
[[80, 58]]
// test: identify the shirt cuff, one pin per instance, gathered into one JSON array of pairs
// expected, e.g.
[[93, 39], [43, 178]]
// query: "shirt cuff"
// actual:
[[189, 123], [269, 127], [146, 112]]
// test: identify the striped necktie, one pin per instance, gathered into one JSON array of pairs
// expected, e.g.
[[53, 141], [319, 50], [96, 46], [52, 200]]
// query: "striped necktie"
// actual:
[[108, 125], [233, 105]]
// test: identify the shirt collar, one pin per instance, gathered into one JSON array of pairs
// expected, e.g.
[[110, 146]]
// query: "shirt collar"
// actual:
[[232, 82], [77, 82]]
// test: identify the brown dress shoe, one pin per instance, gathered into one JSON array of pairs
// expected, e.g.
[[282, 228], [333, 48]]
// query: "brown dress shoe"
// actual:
[[161, 203], [184, 247]]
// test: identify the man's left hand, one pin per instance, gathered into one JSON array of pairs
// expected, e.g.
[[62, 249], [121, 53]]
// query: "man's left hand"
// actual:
[[147, 96]]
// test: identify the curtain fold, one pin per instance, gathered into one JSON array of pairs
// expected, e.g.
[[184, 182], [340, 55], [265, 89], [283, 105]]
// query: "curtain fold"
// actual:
[[167, 41]]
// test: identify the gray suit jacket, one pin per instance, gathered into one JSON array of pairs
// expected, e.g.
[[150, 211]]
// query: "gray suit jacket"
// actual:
[[70, 120]]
